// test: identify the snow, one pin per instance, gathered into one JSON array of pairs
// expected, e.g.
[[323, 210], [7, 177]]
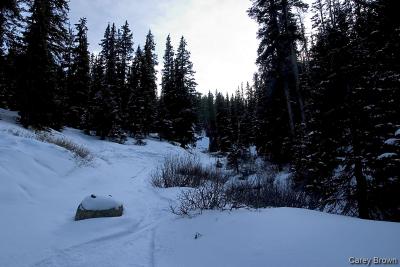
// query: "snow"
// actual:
[[41, 185], [386, 155], [96, 202], [202, 143], [272, 237], [392, 141]]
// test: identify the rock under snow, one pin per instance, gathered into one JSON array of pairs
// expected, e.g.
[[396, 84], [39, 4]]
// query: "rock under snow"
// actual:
[[98, 206]]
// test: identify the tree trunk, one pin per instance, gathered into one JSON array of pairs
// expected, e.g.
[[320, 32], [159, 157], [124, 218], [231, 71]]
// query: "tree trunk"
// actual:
[[361, 195], [287, 67], [289, 105], [295, 71]]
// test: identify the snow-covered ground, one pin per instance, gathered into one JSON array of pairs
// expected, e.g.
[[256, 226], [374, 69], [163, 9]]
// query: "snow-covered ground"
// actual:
[[41, 186]]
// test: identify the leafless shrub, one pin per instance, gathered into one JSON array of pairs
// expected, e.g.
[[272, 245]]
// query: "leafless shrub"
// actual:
[[208, 196], [184, 171], [267, 171], [20, 133], [265, 193], [79, 151], [140, 142], [209, 188]]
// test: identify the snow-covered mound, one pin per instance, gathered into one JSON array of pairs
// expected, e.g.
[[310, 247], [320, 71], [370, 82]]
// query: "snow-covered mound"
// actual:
[[95, 202], [42, 184], [280, 237]]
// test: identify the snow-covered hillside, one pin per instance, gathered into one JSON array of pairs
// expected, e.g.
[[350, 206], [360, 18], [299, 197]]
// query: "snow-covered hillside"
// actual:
[[41, 185]]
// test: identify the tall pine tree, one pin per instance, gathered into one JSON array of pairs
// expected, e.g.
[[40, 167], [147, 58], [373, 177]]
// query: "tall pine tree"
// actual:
[[149, 84], [44, 38], [185, 93], [125, 54], [80, 81], [168, 108]]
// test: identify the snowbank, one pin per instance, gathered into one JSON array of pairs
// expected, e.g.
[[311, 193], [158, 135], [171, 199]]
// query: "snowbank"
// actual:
[[273, 237], [41, 185]]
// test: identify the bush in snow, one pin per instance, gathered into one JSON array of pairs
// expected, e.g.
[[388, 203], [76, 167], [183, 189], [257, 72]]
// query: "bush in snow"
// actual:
[[79, 151], [208, 196], [184, 171], [216, 195], [264, 193], [258, 191], [140, 142], [20, 133]]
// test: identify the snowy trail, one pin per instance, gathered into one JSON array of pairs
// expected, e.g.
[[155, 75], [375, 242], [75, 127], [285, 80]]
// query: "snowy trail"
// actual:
[[41, 185], [144, 206]]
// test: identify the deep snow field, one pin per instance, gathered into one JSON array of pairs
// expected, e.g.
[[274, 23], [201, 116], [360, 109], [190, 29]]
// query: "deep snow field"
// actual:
[[41, 186]]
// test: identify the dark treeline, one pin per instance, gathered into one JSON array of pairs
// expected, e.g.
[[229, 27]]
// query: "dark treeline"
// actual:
[[49, 75], [327, 105]]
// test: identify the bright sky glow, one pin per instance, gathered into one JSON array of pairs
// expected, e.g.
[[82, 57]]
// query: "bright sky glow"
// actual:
[[220, 35]]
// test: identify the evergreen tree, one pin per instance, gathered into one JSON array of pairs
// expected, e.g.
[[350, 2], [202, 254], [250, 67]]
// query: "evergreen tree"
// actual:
[[108, 98], [10, 75], [262, 139], [45, 39], [211, 126], [168, 108], [149, 84], [185, 90], [223, 125], [80, 77], [93, 119], [9, 16], [109, 53], [65, 77], [249, 121], [339, 159], [277, 61], [125, 54], [137, 100], [9, 11]]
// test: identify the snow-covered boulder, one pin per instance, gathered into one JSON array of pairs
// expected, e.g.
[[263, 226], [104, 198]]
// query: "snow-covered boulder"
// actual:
[[98, 206]]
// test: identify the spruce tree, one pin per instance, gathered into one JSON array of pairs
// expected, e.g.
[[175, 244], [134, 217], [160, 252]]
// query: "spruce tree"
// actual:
[[277, 61], [9, 11], [110, 125], [168, 108], [80, 77], [93, 119], [9, 17], [44, 39], [223, 124], [211, 126], [352, 108], [125, 54], [11, 74], [137, 100], [149, 84], [185, 93], [249, 122]]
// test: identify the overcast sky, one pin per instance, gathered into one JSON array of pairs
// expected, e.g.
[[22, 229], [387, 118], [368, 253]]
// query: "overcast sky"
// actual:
[[220, 35]]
